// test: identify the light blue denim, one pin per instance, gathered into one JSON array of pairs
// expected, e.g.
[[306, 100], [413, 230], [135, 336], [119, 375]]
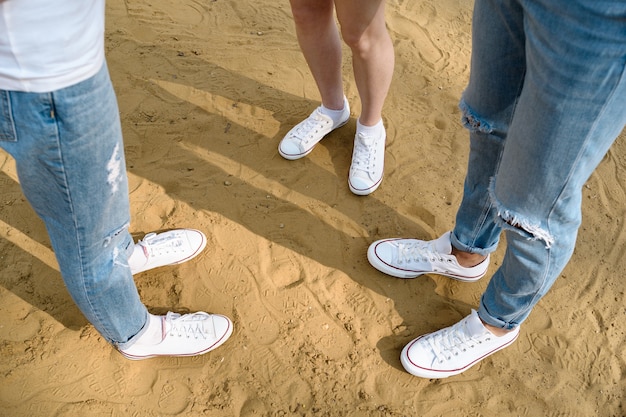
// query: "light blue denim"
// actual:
[[545, 100], [68, 149]]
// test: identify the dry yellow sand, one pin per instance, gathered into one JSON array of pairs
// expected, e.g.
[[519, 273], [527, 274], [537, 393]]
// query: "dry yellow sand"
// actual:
[[206, 90]]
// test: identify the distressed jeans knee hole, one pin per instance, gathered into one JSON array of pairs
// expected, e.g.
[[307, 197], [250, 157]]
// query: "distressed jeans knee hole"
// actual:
[[472, 121]]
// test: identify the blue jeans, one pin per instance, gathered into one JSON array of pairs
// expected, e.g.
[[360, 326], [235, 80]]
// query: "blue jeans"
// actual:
[[68, 149], [545, 100]]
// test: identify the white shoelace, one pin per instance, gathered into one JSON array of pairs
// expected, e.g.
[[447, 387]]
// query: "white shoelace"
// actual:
[[188, 325], [364, 158], [418, 252], [310, 127], [153, 245], [450, 342]]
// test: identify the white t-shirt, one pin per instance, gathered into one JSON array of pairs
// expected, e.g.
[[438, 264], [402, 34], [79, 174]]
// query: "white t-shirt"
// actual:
[[46, 45]]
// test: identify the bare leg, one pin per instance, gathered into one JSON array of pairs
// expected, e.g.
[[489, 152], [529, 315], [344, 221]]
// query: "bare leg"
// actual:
[[364, 30], [320, 43], [467, 259]]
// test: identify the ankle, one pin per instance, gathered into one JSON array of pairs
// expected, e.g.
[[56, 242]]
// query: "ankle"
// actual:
[[336, 105], [338, 116], [138, 258], [153, 332], [467, 259], [375, 127], [377, 130], [497, 331]]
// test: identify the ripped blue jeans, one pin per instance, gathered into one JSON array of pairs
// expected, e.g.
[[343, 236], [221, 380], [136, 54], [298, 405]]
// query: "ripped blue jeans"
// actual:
[[69, 154], [545, 100]]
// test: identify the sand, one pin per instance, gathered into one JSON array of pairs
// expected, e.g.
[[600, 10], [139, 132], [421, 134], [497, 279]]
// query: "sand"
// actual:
[[206, 91]]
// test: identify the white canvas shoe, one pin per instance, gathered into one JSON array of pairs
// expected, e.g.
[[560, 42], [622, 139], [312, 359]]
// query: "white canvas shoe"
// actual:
[[186, 335], [453, 350], [410, 258], [167, 248], [302, 138], [368, 163]]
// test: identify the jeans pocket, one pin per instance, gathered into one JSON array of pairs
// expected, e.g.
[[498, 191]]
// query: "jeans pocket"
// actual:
[[7, 125]]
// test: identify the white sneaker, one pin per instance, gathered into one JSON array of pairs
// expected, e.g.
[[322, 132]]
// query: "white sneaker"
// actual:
[[303, 137], [368, 163], [167, 248], [410, 258], [454, 349], [186, 335]]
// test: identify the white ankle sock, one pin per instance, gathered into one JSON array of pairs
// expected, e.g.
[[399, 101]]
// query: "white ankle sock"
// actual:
[[374, 131], [153, 333], [138, 258], [337, 115]]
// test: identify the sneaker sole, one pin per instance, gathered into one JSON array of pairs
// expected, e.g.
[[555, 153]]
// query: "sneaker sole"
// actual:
[[293, 157], [418, 371], [366, 191], [385, 268], [214, 346]]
